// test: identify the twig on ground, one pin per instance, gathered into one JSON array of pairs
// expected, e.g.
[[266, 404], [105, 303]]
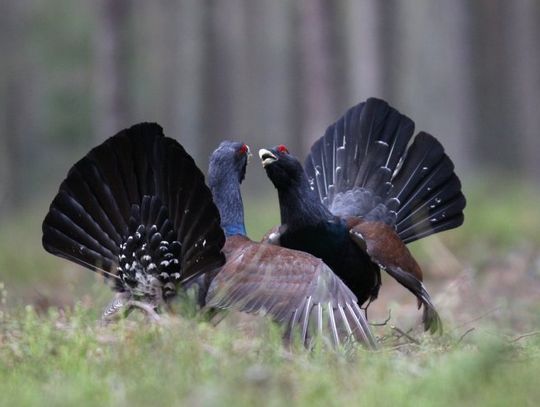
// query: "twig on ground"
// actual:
[[526, 335], [485, 314], [398, 346], [385, 321], [405, 334], [468, 331], [147, 308]]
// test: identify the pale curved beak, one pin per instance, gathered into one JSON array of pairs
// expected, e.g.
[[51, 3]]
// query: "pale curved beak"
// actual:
[[267, 157]]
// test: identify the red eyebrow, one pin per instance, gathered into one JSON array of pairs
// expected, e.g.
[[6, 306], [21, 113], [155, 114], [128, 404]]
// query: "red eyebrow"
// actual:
[[282, 149], [244, 149]]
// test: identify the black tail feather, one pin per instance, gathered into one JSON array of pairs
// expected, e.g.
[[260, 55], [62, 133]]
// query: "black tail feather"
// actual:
[[62, 245], [371, 136], [387, 135], [362, 167], [137, 177], [428, 190]]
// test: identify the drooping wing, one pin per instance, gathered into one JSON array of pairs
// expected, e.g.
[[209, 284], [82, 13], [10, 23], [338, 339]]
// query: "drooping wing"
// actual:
[[295, 288], [386, 249], [137, 198]]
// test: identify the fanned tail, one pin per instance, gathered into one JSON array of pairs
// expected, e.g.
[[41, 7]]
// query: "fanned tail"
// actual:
[[359, 151], [137, 210], [427, 190], [362, 167]]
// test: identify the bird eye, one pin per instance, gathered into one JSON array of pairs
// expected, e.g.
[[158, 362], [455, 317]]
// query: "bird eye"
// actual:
[[244, 149], [282, 149]]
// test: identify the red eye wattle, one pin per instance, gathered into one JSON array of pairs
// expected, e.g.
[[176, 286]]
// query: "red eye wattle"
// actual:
[[244, 149], [282, 149]]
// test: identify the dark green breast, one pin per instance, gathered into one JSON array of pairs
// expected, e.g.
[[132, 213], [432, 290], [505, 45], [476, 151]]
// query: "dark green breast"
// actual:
[[330, 242]]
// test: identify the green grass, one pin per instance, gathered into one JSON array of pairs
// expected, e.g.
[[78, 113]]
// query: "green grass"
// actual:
[[69, 359], [54, 352], [501, 213]]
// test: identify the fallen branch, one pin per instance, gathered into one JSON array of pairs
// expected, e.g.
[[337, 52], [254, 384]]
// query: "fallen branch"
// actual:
[[517, 338], [485, 314], [405, 334], [385, 321], [468, 331]]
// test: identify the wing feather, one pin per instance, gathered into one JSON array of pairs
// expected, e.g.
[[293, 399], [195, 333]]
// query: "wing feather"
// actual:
[[385, 248], [301, 289]]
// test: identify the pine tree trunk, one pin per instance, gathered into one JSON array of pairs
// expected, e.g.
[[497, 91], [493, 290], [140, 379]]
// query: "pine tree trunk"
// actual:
[[112, 74], [316, 72], [524, 32]]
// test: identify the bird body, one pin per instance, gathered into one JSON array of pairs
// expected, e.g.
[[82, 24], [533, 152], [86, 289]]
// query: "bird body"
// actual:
[[363, 195], [331, 242], [295, 288], [310, 226]]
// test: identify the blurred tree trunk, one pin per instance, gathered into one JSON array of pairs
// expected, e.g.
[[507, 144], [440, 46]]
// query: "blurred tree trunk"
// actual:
[[112, 72], [436, 91], [270, 78], [318, 97], [225, 97], [5, 174], [524, 74], [188, 108], [388, 48], [493, 141], [164, 69], [155, 67], [13, 108], [364, 59]]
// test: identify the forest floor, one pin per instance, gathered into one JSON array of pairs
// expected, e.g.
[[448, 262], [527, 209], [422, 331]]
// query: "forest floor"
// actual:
[[484, 278]]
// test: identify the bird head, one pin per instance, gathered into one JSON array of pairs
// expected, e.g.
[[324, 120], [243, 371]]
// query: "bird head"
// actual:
[[231, 157], [283, 169]]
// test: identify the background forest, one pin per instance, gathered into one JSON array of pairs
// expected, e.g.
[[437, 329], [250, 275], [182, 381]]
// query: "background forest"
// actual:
[[73, 73]]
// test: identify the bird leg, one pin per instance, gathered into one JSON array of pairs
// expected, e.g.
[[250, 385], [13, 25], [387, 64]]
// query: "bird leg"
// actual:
[[122, 305], [149, 309], [117, 304]]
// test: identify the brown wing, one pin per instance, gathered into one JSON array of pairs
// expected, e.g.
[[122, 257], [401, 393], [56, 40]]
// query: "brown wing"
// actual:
[[295, 288], [386, 249]]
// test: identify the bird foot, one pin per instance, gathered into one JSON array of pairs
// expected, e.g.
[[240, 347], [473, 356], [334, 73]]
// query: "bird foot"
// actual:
[[122, 305], [113, 310], [149, 309]]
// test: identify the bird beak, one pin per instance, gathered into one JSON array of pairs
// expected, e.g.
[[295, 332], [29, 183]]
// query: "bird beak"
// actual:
[[267, 157], [248, 154]]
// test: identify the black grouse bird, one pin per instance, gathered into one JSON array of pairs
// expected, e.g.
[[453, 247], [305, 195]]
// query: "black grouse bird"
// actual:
[[363, 195], [136, 209]]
